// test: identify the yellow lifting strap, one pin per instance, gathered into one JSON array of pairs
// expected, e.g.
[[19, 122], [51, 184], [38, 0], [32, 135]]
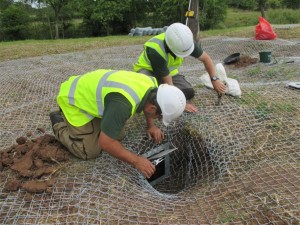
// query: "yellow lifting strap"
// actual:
[[189, 13]]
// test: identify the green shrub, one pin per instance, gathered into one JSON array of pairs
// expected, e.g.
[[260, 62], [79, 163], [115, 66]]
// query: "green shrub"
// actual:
[[292, 4], [212, 13], [243, 4], [15, 21]]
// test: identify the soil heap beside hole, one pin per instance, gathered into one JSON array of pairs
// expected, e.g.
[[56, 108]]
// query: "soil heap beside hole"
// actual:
[[244, 61], [32, 165]]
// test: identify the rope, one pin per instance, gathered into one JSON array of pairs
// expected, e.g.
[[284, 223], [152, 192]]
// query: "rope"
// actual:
[[186, 21]]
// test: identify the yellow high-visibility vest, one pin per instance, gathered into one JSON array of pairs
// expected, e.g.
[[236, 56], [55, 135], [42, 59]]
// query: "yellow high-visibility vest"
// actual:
[[81, 97], [157, 43]]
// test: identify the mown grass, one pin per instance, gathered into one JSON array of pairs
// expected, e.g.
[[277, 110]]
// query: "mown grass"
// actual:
[[30, 48], [240, 18], [237, 24]]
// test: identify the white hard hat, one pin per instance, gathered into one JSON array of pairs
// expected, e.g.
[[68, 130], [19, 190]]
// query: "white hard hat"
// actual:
[[171, 101], [179, 39]]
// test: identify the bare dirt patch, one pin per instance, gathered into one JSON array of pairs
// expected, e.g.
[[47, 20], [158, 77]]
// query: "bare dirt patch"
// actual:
[[32, 165], [244, 61]]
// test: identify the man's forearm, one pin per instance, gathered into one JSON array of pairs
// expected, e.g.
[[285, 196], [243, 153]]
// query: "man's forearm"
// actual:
[[167, 80], [208, 64], [116, 149], [150, 121]]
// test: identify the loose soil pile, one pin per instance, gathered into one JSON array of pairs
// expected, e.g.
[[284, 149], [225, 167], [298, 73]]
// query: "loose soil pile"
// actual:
[[33, 164], [244, 61]]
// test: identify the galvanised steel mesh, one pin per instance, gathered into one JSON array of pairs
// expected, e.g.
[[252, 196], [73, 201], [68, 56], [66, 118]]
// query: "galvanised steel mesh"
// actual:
[[236, 163]]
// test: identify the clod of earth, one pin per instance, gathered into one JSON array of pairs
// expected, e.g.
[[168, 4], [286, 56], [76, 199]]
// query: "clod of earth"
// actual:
[[13, 184], [32, 163], [34, 186]]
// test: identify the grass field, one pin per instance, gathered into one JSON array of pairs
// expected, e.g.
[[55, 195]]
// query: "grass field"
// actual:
[[241, 18], [237, 24], [31, 48]]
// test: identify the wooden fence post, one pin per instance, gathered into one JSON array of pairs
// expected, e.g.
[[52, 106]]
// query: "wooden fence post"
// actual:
[[192, 19]]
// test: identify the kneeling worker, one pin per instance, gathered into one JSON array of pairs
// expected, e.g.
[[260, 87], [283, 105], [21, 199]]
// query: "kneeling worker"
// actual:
[[163, 55], [95, 107]]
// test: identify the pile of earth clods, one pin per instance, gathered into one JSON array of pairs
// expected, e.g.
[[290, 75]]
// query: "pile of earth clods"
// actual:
[[32, 164]]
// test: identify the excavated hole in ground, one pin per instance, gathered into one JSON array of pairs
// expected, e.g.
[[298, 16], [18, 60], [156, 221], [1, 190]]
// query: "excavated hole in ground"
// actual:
[[190, 164]]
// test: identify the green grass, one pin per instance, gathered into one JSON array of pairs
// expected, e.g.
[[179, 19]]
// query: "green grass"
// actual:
[[230, 32], [248, 99], [254, 71], [263, 109], [240, 18], [30, 48], [286, 107], [237, 24], [283, 16]]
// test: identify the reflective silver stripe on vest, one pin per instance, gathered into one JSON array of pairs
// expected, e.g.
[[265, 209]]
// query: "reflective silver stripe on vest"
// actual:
[[146, 58], [153, 79], [72, 91], [171, 68], [87, 115], [161, 45], [104, 83]]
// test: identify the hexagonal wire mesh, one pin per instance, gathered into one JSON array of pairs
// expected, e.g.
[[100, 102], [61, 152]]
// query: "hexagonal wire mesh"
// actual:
[[236, 163]]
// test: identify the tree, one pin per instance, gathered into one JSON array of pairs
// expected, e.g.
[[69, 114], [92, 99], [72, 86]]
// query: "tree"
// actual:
[[243, 4], [262, 6], [170, 11], [15, 20], [211, 13], [293, 4], [139, 9], [100, 15], [274, 4], [192, 21], [56, 6], [4, 4]]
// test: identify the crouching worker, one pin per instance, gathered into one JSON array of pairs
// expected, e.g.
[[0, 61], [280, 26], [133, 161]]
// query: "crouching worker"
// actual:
[[164, 54], [95, 107]]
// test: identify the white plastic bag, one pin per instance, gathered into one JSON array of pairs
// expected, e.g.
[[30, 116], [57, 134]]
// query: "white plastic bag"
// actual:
[[233, 87], [294, 85]]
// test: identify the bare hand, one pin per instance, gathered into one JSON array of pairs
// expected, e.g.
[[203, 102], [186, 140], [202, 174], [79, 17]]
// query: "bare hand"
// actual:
[[156, 134], [219, 86], [144, 166], [189, 107]]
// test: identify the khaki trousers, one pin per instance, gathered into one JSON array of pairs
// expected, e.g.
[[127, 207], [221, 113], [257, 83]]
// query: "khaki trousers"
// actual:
[[178, 81], [80, 141]]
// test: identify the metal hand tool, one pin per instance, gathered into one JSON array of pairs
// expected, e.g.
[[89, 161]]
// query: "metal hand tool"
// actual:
[[157, 161]]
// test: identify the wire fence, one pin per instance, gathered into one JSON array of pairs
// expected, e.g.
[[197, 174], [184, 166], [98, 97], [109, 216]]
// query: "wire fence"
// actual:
[[236, 163]]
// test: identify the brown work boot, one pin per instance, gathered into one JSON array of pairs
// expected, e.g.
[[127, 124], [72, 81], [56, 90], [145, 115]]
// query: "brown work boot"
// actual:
[[56, 117]]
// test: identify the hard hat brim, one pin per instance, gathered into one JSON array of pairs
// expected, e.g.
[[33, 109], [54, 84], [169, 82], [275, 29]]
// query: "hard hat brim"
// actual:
[[181, 54], [186, 54]]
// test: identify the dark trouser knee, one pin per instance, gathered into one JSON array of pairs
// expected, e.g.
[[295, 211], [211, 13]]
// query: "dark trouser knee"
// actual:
[[189, 93]]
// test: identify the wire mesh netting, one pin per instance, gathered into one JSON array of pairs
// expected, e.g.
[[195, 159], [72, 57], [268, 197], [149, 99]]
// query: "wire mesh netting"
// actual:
[[236, 163]]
